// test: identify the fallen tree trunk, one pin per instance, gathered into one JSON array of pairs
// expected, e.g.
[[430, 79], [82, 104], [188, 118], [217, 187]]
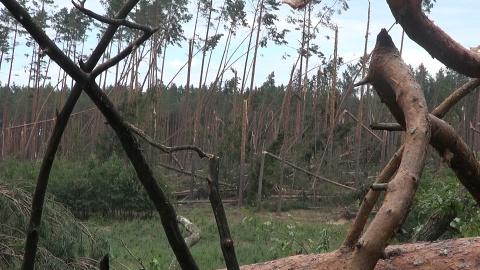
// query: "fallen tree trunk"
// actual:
[[459, 253], [436, 225], [432, 38], [396, 86]]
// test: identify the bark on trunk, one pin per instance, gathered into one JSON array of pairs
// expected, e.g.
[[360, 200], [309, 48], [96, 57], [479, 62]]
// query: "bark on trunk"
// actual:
[[432, 38], [449, 254], [436, 225], [398, 89]]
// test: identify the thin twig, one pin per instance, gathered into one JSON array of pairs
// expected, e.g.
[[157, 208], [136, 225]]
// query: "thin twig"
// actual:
[[133, 256]]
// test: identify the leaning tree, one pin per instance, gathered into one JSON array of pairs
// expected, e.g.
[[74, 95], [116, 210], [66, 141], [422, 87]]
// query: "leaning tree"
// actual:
[[395, 86]]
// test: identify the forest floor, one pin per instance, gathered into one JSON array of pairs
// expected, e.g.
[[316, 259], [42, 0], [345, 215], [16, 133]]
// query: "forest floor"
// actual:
[[258, 236]]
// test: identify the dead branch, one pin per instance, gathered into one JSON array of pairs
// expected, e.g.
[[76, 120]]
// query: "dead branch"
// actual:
[[133, 256], [386, 126], [167, 149], [124, 53], [307, 172], [457, 155], [419, 28], [191, 240], [226, 241], [365, 127], [178, 170], [112, 21], [129, 143], [48, 120], [455, 97]]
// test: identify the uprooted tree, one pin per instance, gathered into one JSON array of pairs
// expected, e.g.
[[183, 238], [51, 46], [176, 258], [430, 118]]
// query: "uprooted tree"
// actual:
[[396, 87]]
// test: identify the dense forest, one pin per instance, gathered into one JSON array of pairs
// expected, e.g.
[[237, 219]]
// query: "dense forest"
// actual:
[[318, 121]]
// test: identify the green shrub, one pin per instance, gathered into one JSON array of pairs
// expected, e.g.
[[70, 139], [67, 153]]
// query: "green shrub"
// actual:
[[64, 242]]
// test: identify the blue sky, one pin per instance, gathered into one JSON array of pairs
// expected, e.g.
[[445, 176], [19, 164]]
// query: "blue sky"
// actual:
[[457, 18]]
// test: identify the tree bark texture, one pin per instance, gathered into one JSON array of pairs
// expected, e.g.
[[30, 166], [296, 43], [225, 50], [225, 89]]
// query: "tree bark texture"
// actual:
[[371, 198], [419, 28], [459, 253], [436, 225], [397, 88], [226, 240]]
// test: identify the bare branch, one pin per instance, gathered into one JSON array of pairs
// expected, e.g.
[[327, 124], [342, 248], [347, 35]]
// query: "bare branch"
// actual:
[[124, 53], [387, 126], [307, 172], [167, 149], [455, 97], [131, 254], [111, 21], [129, 143], [191, 240], [457, 155], [433, 39]]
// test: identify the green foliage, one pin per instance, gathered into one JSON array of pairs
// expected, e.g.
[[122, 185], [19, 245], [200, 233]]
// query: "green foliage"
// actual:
[[64, 242], [270, 174], [288, 237], [109, 188], [427, 5], [254, 241], [14, 168], [441, 190]]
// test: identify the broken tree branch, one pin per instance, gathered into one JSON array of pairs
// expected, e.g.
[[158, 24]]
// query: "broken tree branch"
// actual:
[[455, 97], [457, 155], [397, 88], [226, 241], [167, 149], [129, 144], [191, 240], [372, 196], [81, 7], [365, 127], [62, 119], [386, 126], [124, 53], [307, 172], [419, 28]]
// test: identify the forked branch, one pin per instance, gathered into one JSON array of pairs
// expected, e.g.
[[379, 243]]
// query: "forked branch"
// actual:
[[129, 143]]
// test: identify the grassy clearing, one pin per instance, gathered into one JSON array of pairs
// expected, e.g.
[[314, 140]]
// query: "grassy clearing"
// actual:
[[258, 237]]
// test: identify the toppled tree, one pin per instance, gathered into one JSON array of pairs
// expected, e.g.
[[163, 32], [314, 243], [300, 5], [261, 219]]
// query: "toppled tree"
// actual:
[[398, 89]]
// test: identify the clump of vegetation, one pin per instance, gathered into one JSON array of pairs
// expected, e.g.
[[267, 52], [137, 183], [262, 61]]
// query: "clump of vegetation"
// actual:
[[440, 193], [64, 242], [258, 237], [107, 188]]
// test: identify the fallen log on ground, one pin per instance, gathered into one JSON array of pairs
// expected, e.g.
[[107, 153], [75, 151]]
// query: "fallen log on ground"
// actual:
[[459, 253]]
